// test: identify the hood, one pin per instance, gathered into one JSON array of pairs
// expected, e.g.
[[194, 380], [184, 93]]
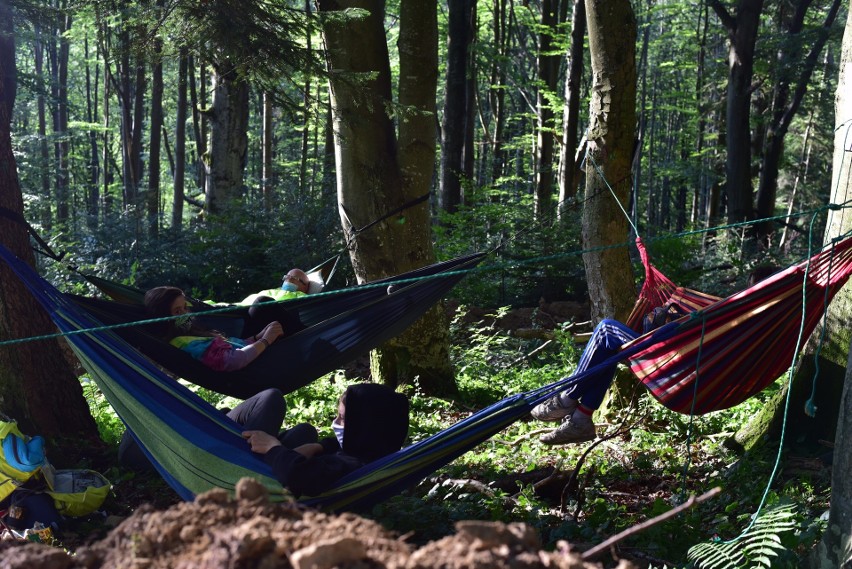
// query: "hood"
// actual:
[[376, 421]]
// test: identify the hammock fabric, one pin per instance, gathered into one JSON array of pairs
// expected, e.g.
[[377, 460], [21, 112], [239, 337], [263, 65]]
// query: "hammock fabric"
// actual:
[[339, 327], [197, 448], [733, 348]]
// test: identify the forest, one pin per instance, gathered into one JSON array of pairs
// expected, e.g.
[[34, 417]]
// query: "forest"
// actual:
[[215, 145]]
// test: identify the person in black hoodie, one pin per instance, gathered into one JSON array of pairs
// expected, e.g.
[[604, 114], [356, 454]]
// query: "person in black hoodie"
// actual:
[[372, 422]]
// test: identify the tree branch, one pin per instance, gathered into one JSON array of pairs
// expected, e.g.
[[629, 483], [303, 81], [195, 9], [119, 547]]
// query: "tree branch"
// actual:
[[603, 546]]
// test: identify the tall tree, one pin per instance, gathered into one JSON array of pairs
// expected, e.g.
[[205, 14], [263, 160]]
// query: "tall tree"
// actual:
[[612, 122], [378, 173], [453, 124], [180, 143], [835, 549], [37, 386], [547, 68], [742, 35], [568, 168], [794, 74], [156, 126]]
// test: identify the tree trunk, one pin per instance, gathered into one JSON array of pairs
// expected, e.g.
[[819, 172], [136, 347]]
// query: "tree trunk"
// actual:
[[497, 92], [37, 387], [153, 196], [612, 36], [266, 176], [742, 36], [93, 190], [228, 137], [374, 177], [548, 73], [836, 545], [60, 117], [180, 143], [612, 121], [44, 150], [568, 172], [455, 98]]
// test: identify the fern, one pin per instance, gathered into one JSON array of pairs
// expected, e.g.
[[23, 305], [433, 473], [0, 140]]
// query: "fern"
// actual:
[[758, 547]]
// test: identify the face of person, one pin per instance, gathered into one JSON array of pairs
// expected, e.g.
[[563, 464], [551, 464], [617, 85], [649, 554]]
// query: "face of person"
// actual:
[[341, 413], [179, 306], [298, 278]]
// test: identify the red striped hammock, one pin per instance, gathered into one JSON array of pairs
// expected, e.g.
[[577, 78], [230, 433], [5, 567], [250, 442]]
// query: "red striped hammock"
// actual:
[[729, 349]]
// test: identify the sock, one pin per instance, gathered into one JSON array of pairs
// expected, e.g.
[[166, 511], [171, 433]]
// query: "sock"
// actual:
[[582, 414]]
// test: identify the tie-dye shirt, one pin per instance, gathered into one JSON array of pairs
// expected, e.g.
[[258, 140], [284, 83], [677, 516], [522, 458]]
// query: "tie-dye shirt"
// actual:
[[218, 352]]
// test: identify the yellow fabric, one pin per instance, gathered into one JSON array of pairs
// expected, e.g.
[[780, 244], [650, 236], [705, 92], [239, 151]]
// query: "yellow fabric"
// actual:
[[78, 492], [10, 477], [274, 293]]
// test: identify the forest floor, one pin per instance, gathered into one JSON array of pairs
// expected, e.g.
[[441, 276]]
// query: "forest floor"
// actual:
[[143, 523]]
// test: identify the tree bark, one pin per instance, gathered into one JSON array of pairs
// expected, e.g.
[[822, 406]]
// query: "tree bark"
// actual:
[[37, 387], [374, 176], [835, 549], [612, 121]]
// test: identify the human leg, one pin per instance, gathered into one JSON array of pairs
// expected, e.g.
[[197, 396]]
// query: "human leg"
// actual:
[[261, 412], [298, 435], [264, 310], [577, 404], [605, 341]]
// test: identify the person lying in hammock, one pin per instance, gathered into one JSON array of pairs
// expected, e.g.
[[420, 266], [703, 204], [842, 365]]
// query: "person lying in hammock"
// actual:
[[296, 283], [263, 412], [574, 407], [372, 422], [208, 346]]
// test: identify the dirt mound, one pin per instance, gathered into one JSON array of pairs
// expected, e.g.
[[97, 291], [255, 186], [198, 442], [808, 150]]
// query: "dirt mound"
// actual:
[[217, 531]]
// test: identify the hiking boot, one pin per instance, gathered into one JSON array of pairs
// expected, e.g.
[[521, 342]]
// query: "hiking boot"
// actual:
[[553, 410], [570, 431]]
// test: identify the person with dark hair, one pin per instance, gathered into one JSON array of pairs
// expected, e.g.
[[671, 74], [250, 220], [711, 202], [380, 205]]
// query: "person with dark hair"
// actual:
[[208, 346], [372, 422]]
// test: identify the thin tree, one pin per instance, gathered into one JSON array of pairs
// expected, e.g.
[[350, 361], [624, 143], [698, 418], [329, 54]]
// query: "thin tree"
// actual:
[[453, 125], [180, 143], [569, 178], [547, 69]]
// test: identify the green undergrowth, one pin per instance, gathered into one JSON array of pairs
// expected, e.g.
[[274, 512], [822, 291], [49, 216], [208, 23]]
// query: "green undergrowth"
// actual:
[[623, 481]]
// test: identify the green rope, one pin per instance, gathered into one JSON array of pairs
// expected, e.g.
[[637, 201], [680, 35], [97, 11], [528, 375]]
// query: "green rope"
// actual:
[[479, 269]]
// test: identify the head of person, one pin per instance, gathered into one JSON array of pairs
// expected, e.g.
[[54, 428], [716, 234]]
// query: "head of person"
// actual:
[[296, 280], [372, 421], [164, 301]]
